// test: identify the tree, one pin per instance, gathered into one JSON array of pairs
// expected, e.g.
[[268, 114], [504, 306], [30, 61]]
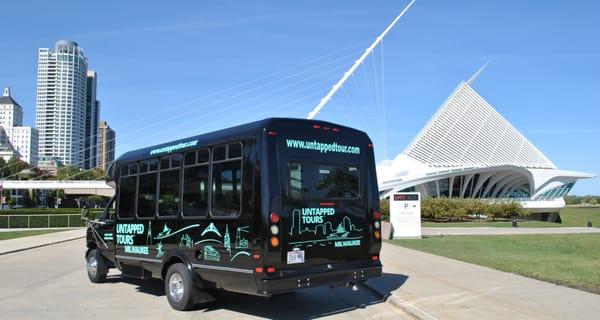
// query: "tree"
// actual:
[[16, 165]]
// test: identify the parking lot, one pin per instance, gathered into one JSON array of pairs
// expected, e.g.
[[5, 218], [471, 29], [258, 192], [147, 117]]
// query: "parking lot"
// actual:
[[50, 283]]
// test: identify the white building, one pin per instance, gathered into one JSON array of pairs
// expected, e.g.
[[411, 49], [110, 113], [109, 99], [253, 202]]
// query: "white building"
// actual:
[[469, 150], [11, 113], [15, 139], [24, 140], [61, 102]]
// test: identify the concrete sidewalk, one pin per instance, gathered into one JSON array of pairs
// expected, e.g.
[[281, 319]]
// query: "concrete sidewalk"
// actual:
[[434, 287], [454, 231], [24, 243]]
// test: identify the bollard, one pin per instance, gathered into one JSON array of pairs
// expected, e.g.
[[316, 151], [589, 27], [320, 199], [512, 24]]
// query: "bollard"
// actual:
[[589, 223], [514, 223]]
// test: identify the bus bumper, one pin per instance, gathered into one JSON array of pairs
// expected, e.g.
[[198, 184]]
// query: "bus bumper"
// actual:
[[334, 278]]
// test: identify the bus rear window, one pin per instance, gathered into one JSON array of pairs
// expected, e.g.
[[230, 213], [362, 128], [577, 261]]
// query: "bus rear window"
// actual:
[[322, 181]]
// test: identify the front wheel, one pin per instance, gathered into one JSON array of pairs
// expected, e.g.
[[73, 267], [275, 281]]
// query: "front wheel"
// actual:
[[179, 287], [96, 267]]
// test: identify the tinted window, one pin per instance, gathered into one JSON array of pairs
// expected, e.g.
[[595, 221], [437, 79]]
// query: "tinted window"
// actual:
[[235, 150], [176, 161], [322, 181], [147, 195], [168, 197], [165, 163], [195, 191], [190, 158], [219, 153], [203, 156], [226, 188], [153, 164], [127, 196]]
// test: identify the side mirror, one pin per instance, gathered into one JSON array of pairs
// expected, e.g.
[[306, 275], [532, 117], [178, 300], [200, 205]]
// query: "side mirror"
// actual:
[[85, 212]]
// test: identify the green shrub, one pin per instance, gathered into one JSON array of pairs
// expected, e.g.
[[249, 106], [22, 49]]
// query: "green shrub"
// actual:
[[28, 211], [444, 209], [384, 208]]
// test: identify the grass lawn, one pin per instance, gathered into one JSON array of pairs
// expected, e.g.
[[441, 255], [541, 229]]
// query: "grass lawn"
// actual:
[[571, 217], [571, 260], [18, 234]]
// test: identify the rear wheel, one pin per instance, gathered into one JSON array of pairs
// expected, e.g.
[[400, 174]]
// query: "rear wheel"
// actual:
[[96, 267], [179, 287]]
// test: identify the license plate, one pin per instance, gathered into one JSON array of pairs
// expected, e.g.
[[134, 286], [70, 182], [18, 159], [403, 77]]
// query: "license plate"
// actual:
[[296, 256]]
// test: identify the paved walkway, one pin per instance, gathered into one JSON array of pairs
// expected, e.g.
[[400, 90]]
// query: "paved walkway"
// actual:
[[434, 287], [504, 231], [20, 244]]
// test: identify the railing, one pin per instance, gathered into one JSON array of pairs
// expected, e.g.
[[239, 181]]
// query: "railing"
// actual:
[[32, 221]]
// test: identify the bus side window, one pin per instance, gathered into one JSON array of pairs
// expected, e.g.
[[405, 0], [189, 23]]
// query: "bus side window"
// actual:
[[195, 183], [127, 188], [168, 194], [227, 181], [147, 190]]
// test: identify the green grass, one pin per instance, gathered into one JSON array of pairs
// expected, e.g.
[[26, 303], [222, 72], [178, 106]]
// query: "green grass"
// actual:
[[502, 224], [19, 234], [571, 217], [571, 260]]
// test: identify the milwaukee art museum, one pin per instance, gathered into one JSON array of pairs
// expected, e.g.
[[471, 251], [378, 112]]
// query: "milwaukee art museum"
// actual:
[[469, 150]]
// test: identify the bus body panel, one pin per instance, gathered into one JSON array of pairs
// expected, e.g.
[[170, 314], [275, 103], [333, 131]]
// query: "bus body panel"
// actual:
[[228, 252]]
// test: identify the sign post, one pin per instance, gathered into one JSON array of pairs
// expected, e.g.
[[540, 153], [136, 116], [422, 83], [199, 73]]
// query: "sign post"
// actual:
[[405, 215]]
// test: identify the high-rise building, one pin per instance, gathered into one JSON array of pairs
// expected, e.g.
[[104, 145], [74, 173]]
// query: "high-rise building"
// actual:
[[16, 140], [107, 145], [92, 114], [61, 102]]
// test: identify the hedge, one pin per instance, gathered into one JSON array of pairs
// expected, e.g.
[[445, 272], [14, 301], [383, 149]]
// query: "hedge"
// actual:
[[450, 210], [44, 221], [28, 211]]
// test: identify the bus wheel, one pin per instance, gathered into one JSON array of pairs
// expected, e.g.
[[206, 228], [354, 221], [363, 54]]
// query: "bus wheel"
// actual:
[[179, 287], [96, 267]]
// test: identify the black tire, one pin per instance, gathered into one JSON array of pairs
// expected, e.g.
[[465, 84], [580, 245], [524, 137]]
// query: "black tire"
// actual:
[[96, 267], [179, 287]]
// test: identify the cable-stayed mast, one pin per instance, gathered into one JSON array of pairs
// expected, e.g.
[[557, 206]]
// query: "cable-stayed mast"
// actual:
[[357, 63]]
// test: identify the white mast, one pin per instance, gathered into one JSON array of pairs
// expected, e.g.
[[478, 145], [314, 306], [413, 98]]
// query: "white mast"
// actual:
[[362, 58]]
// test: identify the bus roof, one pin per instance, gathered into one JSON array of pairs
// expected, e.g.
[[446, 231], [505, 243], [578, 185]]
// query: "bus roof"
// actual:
[[215, 137]]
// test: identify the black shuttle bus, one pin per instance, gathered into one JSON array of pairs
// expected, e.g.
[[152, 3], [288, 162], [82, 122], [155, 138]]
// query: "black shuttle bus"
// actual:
[[262, 208]]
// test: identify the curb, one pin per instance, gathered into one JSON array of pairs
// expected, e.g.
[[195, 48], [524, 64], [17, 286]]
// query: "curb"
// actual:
[[41, 245], [406, 307]]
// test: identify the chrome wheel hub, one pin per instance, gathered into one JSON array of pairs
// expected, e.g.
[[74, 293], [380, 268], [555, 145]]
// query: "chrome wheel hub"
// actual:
[[92, 266], [176, 287]]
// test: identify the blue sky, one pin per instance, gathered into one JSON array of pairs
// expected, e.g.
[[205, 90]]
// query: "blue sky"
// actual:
[[169, 71]]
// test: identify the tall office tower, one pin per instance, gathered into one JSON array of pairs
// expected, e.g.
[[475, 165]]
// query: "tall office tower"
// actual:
[[92, 114], [61, 102], [107, 145], [16, 140]]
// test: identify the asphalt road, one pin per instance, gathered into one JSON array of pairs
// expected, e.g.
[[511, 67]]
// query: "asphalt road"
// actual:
[[50, 283]]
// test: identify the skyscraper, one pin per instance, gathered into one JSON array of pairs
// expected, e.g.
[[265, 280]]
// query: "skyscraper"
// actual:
[[92, 114], [61, 102], [16, 140], [107, 145]]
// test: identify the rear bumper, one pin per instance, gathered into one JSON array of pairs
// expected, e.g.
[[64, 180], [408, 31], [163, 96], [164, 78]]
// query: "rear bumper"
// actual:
[[268, 287]]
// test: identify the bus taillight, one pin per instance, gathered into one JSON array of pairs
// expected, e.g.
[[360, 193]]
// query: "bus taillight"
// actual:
[[274, 217], [377, 215]]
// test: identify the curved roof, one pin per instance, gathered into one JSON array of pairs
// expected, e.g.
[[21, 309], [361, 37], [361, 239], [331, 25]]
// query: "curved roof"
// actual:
[[468, 131]]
